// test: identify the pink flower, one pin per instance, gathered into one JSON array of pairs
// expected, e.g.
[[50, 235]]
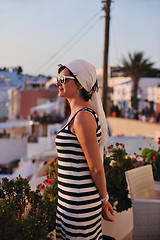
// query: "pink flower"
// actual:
[[136, 155], [122, 146], [117, 144], [50, 182], [45, 181], [47, 175], [154, 157], [39, 186], [110, 147]]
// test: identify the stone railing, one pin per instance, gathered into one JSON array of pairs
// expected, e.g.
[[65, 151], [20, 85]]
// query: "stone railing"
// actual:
[[130, 127]]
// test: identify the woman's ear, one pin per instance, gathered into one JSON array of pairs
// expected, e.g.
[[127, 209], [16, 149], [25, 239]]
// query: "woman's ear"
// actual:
[[79, 86]]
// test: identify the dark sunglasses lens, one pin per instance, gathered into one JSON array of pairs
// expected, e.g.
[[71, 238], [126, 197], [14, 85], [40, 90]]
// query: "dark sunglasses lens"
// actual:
[[62, 79]]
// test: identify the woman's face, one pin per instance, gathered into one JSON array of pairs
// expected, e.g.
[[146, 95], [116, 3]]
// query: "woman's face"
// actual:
[[69, 88]]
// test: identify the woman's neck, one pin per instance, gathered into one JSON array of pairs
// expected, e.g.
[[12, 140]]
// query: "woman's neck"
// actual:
[[77, 104]]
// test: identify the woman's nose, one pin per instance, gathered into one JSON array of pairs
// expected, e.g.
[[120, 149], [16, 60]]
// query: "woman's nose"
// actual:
[[58, 83]]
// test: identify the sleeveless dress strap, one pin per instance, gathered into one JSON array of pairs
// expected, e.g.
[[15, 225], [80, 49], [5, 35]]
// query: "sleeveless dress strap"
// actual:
[[84, 109]]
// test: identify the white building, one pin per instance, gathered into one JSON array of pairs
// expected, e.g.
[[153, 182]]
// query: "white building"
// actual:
[[10, 83], [9, 79], [122, 91], [154, 96]]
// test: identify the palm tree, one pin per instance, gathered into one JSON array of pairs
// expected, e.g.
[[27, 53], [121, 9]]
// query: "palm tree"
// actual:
[[136, 67]]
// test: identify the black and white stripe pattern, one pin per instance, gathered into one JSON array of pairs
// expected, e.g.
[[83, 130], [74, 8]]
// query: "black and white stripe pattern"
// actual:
[[79, 204]]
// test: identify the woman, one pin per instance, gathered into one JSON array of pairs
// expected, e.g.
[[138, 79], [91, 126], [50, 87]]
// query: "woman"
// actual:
[[82, 195]]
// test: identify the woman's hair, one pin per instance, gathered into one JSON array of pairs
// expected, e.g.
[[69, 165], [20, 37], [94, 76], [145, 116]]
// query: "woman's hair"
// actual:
[[88, 95], [84, 94]]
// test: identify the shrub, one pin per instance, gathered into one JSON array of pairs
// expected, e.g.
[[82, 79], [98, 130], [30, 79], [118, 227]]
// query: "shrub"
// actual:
[[151, 156], [116, 162], [26, 214]]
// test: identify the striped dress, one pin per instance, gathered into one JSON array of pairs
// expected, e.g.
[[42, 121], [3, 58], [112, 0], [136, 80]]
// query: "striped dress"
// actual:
[[79, 204]]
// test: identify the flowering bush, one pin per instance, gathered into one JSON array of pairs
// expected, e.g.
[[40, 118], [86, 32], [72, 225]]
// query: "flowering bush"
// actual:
[[151, 156], [26, 214], [49, 189], [116, 162]]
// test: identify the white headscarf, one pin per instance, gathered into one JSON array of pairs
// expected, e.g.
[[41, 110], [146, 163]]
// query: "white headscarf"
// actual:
[[86, 75]]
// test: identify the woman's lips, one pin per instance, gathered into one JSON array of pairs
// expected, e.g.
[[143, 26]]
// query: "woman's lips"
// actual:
[[60, 89]]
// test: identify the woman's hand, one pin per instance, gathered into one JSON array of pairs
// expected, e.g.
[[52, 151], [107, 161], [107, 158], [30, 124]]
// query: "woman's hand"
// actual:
[[106, 208]]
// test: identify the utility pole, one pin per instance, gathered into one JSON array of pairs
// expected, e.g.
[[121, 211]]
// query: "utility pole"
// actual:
[[106, 8]]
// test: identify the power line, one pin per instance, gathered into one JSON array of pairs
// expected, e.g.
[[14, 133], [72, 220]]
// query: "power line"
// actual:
[[68, 42], [73, 44]]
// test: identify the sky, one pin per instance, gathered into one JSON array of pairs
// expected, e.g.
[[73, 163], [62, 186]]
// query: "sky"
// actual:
[[39, 34]]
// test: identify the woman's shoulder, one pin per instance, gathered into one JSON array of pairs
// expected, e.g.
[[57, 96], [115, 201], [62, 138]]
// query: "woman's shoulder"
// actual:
[[87, 110], [86, 117]]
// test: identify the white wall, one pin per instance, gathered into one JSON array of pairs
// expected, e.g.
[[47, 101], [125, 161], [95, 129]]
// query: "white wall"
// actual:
[[34, 149], [154, 94], [145, 83], [12, 149]]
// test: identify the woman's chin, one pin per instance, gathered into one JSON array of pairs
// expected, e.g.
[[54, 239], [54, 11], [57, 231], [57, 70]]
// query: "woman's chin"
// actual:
[[60, 94]]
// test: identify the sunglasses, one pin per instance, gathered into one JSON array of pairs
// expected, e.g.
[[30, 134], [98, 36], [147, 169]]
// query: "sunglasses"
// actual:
[[63, 79]]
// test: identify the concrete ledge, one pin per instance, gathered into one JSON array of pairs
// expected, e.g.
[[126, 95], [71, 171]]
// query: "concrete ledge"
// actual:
[[131, 127]]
